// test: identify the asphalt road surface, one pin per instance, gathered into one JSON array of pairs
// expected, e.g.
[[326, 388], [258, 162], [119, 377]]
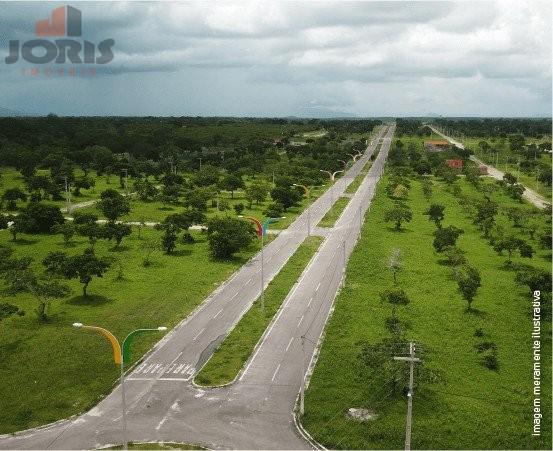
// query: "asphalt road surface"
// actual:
[[255, 412]]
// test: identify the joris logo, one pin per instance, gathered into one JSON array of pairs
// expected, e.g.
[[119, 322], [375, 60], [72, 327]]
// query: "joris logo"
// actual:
[[65, 26]]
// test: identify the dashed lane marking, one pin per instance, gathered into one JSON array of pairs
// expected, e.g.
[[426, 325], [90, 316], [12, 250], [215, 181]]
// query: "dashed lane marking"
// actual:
[[198, 334]]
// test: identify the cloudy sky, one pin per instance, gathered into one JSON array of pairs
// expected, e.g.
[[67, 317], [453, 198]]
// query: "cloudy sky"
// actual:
[[292, 58]]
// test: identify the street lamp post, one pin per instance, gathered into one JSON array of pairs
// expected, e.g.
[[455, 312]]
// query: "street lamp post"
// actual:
[[261, 231], [121, 354], [308, 196]]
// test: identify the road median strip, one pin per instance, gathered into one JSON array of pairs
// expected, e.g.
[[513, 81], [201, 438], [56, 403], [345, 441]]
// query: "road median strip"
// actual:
[[228, 359]]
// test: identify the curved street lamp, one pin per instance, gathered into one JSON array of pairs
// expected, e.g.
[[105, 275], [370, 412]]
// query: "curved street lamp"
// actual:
[[261, 229], [121, 354]]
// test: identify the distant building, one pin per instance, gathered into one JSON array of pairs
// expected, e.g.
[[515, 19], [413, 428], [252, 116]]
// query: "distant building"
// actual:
[[454, 164], [436, 145]]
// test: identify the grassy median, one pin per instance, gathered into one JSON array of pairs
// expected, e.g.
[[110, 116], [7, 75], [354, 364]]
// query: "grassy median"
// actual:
[[334, 213], [237, 347], [468, 406], [356, 183]]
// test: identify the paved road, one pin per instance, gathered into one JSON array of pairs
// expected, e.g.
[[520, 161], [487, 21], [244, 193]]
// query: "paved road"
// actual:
[[255, 411], [530, 195]]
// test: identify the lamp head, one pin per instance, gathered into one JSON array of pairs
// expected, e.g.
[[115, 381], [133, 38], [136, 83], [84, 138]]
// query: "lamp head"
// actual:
[[77, 325], [162, 328]]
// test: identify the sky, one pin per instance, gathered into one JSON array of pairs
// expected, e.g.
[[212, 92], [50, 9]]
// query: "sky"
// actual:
[[292, 58]]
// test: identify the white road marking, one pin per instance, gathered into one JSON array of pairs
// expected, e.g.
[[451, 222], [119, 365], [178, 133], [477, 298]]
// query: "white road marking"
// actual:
[[198, 334], [248, 282], [318, 286], [176, 358], [275, 373], [301, 319], [185, 369], [157, 379], [236, 294], [310, 299], [289, 343], [218, 313], [163, 420]]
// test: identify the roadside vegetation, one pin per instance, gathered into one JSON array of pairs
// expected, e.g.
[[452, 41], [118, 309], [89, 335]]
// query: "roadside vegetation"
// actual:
[[457, 279], [229, 358], [330, 218]]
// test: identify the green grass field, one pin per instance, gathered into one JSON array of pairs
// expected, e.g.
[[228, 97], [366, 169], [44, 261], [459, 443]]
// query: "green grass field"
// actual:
[[332, 215], [51, 371], [234, 351], [470, 406]]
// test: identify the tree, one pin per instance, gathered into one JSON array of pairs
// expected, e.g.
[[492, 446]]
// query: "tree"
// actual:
[[227, 236], [274, 210], [446, 237], [149, 246], [398, 214], [395, 298], [515, 191], [44, 289], [82, 183], [67, 230], [536, 279], [145, 189], [395, 263], [239, 208], [116, 231], [257, 192], [286, 195], [485, 216], [511, 244], [468, 280], [231, 182], [516, 215], [400, 192], [509, 178], [427, 188], [19, 224], [454, 256], [436, 213], [82, 267], [11, 196], [42, 218], [197, 198], [113, 204]]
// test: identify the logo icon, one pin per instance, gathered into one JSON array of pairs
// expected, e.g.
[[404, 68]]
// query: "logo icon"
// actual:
[[64, 21]]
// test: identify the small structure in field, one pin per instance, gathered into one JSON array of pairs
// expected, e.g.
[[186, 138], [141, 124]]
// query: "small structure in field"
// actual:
[[454, 164], [436, 145], [483, 169], [361, 414]]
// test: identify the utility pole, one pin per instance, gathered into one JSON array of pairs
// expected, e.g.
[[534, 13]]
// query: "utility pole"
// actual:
[[67, 195], [126, 171], [412, 360]]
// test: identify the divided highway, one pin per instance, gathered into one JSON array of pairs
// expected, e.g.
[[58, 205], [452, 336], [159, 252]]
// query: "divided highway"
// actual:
[[255, 412]]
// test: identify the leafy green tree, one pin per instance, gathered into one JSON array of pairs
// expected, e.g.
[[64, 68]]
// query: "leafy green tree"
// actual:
[[11, 196], [145, 189], [257, 192], [427, 188], [42, 218], [227, 236], [446, 237], [512, 244], [82, 183], [436, 213], [274, 210], [116, 231], [7, 310], [231, 182], [515, 191], [469, 280], [19, 224], [82, 267], [399, 214], [286, 195], [43, 289], [509, 178], [113, 204], [67, 230], [516, 215], [454, 256], [197, 198], [239, 208], [486, 212], [395, 263]]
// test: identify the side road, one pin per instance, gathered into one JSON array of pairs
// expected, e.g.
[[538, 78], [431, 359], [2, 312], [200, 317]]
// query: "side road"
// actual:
[[530, 195]]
